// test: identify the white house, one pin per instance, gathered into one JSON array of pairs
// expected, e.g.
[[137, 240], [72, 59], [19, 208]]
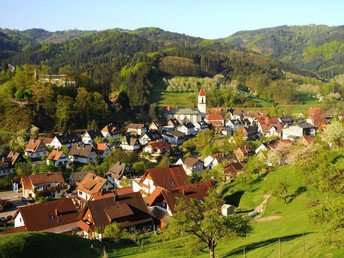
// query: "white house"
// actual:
[[35, 149], [166, 177], [191, 164], [58, 158], [234, 124], [48, 182], [130, 144], [92, 184], [65, 140], [294, 132], [187, 129], [82, 154], [137, 129], [89, 136], [111, 131], [201, 126], [174, 137], [149, 137]]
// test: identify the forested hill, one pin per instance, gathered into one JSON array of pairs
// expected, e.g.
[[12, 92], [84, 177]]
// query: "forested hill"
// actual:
[[317, 48]]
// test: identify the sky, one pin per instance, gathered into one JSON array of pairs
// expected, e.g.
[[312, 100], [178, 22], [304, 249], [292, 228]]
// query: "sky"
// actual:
[[203, 18]]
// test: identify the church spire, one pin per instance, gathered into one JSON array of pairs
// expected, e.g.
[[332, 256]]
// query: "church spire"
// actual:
[[202, 106]]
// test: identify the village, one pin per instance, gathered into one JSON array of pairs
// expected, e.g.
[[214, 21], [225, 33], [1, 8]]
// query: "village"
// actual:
[[85, 201]]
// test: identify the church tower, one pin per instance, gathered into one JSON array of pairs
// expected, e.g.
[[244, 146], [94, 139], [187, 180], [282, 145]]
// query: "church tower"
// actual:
[[202, 106]]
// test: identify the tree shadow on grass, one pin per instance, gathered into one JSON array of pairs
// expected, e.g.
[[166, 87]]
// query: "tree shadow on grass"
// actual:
[[234, 199], [256, 245], [298, 192]]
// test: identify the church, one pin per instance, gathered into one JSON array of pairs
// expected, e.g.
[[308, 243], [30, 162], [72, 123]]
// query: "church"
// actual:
[[193, 115]]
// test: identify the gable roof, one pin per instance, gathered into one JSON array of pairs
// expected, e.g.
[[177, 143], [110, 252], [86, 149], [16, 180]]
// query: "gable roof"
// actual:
[[117, 170], [33, 145], [190, 161], [161, 145], [233, 168], [31, 180], [176, 134], [13, 157], [80, 150], [135, 126], [110, 193], [91, 184], [111, 129], [79, 176], [166, 176], [214, 117], [55, 155], [68, 138], [185, 111], [128, 209], [193, 191], [153, 136], [129, 140], [42, 216], [46, 140], [93, 134]]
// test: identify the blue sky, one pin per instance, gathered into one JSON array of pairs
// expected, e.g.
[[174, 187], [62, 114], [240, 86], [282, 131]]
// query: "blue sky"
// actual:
[[204, 18]]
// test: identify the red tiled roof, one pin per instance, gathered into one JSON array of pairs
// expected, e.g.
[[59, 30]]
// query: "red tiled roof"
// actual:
[[110, 193], [47, 215], [214, 117], [46, 140], [128, 209], [55, 155], [193, 191], [91, 184], [12, 157], [160, 144], [233, 168], [29, 181], [33, 145], [166, 177]]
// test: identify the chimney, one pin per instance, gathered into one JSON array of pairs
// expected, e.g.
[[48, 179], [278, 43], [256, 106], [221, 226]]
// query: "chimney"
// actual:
[[56, 213], [115, 196]]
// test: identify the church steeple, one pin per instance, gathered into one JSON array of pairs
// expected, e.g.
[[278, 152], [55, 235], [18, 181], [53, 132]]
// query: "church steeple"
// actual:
[[202, 106]]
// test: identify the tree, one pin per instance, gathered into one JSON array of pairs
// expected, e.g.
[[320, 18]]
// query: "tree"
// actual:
[[203, 221], [113, 231], [331, 217], [216, 175], [281, 191], [64, 112], [334, 134], [322, 168]]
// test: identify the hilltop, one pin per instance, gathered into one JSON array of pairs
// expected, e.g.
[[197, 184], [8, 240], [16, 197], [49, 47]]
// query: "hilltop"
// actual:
[[317, 48]]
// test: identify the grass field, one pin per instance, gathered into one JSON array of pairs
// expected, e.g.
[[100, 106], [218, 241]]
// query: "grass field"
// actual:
[[161, 96], [299, 237], [175, 99]]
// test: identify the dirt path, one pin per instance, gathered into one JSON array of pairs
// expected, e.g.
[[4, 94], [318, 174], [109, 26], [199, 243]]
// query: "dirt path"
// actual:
[[268, 218], [260, 210]]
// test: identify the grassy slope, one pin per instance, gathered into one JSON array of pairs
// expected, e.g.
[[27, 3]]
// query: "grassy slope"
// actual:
[[261, 243], [164, 98]]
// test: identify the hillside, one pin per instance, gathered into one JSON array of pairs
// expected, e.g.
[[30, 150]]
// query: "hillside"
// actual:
[[317, 48], [299, 237], [14, 41]]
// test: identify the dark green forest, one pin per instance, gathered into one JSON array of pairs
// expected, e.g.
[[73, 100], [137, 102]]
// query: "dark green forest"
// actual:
[[116, 70]]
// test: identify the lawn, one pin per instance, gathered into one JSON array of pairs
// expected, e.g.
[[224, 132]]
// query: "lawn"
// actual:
[[299, 237], [160, 95]]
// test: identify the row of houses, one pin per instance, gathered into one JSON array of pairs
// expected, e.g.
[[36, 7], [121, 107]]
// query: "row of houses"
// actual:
[[97, 201]]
